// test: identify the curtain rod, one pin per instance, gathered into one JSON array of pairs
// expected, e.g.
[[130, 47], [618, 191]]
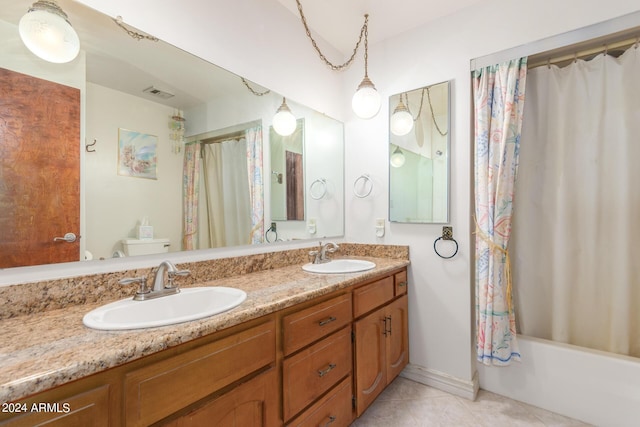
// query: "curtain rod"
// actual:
[[580, 54]]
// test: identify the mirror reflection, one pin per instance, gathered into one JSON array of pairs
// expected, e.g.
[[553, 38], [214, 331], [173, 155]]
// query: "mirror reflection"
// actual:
[[155, 112], [287, 175], [419, 155]]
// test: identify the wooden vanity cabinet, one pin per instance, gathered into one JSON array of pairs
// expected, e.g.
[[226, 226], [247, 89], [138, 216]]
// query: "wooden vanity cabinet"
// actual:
[[159, 390], [318, 356], [381, 339], [252, 404], [86, 408], [321, 362]]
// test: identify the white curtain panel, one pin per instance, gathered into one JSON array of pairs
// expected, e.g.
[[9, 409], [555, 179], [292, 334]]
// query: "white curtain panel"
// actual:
[[227, 221], [576, 228]]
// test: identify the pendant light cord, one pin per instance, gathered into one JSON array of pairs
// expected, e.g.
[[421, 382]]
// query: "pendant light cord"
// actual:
[[252, 90], [364, 33], [433, 116]]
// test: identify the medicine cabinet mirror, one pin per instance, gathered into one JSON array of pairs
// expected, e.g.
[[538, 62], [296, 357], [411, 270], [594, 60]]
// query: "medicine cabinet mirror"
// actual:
[[419, 144]]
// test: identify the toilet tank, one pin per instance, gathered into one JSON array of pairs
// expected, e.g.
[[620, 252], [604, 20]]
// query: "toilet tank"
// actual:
[[133, 247]]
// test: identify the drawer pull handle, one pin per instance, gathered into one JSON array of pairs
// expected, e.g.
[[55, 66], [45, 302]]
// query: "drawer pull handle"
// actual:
[[402, 284], [324, 372], [327, 321], [332, 418]]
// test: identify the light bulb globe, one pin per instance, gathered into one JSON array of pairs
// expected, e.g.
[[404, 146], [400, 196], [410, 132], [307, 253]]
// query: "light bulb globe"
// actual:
[[366, 100], [49, 35], [284, 122], [401, 122], [397, 158]]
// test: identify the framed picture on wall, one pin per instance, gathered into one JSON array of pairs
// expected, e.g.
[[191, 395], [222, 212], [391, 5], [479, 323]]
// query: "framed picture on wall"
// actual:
[[137, 154]]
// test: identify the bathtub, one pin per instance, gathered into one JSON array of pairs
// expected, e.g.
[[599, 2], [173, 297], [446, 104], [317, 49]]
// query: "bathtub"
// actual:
[[592, 386]]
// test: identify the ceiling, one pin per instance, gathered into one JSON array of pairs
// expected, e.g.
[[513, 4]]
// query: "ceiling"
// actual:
[[339, 21]]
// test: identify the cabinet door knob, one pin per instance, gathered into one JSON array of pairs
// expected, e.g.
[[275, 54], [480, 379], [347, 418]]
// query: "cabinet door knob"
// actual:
[[327, 321], [325, 371], [402, 284]]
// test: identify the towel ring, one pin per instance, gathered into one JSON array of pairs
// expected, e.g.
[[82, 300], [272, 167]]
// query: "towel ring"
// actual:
[[447, 234], [366, 179], [321, 189], [271, 229]]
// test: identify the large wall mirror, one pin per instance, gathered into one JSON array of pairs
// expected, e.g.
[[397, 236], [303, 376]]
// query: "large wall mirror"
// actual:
[[136, 122], [419, 155]]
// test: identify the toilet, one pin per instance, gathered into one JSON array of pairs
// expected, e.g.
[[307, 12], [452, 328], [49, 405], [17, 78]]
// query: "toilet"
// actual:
[[133, 247]]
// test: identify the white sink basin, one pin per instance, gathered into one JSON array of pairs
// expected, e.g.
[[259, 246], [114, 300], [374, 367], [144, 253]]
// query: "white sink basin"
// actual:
[[340, 266], [188, 304]]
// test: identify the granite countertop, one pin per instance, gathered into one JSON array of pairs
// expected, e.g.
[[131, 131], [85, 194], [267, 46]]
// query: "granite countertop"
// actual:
[[43, 350]]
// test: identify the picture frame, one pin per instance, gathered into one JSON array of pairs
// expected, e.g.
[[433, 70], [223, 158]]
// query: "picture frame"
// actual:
[[137, 154]]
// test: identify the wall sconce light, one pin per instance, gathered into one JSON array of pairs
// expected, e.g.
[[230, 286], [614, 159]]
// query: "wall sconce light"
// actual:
[[397, 158], [284, 122], [366, 101], [401, 119], [46, 31]]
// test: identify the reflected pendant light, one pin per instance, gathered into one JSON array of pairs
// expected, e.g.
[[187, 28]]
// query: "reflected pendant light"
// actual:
[[401, 120], [284, 122], [366, 101], [46, 31], [397, 158]]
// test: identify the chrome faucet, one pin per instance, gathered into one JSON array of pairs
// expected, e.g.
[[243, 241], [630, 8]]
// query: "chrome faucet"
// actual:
[[320, 255], [160, 288]]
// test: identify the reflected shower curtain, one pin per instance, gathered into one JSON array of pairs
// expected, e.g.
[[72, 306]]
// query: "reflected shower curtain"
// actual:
[[498, 95], [256, 184], [576, 245], [227, 192], [190, 192]]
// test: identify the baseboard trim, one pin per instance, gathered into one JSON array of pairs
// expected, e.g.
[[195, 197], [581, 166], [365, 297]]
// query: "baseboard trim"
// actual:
[[442, 381]]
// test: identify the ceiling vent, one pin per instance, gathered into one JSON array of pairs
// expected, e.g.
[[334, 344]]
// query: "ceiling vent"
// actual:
[[158, 92]]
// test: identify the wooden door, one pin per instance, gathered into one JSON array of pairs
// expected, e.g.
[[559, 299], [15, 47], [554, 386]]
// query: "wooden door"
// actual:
[[397, 338], [370, 366], [39, 170]]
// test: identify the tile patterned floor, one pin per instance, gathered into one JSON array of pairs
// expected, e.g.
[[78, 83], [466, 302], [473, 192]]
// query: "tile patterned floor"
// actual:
[[406, 403]]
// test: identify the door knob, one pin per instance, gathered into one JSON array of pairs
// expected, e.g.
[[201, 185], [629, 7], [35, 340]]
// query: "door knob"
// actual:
[[69, 238]]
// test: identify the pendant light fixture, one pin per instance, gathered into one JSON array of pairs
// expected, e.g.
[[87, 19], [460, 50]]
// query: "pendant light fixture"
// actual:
[[401, 120], [46, 31], [284, 122], [366, 101], [397, 158]]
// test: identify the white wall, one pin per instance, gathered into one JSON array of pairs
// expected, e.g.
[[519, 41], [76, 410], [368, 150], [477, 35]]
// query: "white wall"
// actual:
[[116, 204]]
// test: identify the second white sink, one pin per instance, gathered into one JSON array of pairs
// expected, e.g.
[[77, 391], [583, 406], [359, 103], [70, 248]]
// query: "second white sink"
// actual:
[[337, 266], [189, 304]]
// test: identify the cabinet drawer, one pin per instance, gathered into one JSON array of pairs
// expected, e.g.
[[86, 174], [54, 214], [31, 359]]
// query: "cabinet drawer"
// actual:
[[401, 282], [310, 373], [158, 390], [335, 409], [373, 295], [313, 323]]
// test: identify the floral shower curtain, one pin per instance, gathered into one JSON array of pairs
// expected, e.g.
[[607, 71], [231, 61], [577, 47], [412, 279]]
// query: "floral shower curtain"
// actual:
[[256, 183], [498, 95], [190, 189]]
